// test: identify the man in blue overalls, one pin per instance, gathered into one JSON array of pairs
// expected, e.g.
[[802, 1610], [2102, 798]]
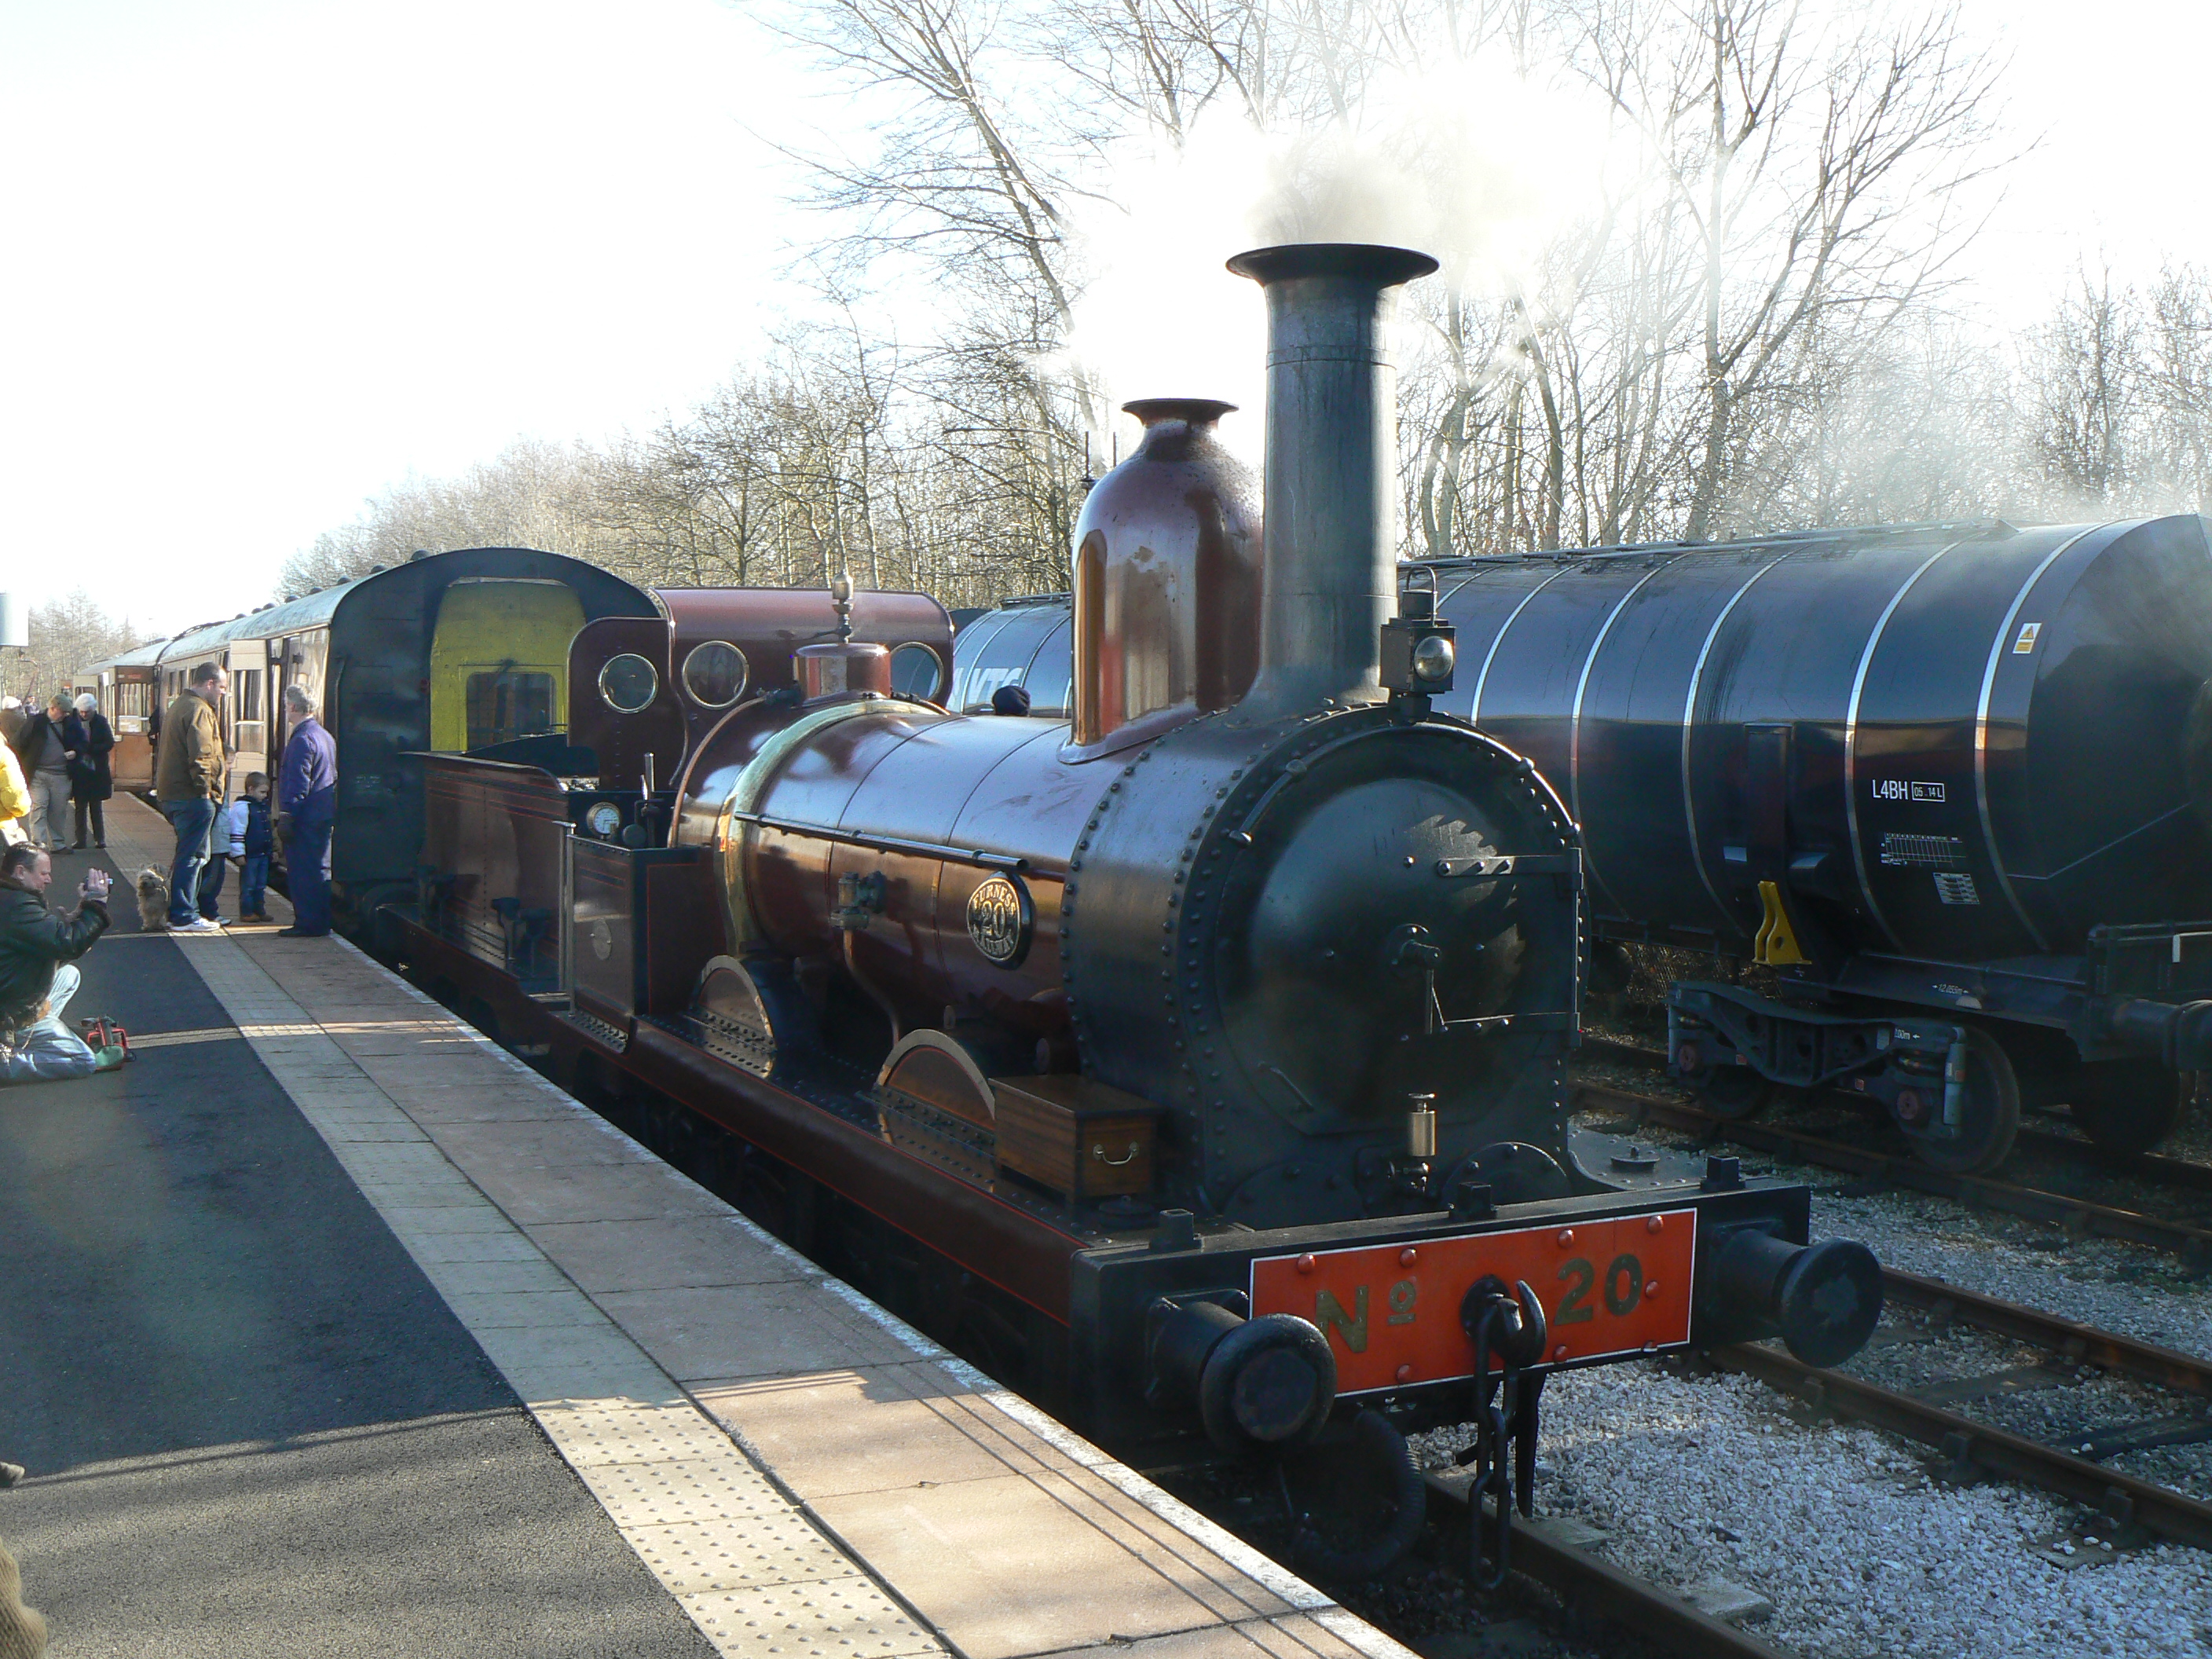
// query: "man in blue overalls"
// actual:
[[306, 806]]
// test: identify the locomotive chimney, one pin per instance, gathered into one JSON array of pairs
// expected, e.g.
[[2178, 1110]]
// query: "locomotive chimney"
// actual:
[[1330, 525]]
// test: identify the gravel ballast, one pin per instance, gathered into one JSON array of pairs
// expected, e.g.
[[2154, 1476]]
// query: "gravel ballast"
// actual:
[[1845, 1529], [1841, 1528]]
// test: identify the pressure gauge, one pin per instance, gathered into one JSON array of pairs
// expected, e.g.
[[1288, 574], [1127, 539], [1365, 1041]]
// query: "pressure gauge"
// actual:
[[604, 820]]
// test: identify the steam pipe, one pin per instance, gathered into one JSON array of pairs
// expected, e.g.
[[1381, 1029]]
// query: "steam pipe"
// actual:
[[1330, 539]]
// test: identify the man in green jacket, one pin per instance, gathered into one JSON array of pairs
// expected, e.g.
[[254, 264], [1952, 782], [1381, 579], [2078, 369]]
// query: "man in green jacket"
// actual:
[[38, 976], [189, 774]]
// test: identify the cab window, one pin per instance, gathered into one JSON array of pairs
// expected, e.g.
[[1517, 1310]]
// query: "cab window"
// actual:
[[507, 704]]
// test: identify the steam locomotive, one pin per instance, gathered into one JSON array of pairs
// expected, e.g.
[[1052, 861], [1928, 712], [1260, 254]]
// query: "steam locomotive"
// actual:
[[1950, 782], [1192, 1061]]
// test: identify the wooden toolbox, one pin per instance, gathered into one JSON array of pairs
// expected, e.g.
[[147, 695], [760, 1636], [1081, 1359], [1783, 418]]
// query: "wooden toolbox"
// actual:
[[1078, 1137]]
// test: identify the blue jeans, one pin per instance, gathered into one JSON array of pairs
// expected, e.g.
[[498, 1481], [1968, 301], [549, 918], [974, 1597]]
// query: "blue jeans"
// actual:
[[307, 866], [48, 1050], [212, 880], [193, 820], [253, 883]]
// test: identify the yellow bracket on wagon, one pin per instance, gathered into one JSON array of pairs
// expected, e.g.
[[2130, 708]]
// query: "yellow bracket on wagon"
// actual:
[[1776, 944]]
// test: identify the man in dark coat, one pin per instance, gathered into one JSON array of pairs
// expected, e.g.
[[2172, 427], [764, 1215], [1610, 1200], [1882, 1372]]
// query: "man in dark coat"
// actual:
[[43, 747], [306, 809], [38, 977], [92, 782]]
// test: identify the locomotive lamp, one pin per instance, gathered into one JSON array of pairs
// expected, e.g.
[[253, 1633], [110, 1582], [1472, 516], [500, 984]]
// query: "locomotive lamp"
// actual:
[[1419, 651]]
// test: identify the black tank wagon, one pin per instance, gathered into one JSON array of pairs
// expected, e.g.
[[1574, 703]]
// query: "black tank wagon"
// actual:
[[1949, 780]]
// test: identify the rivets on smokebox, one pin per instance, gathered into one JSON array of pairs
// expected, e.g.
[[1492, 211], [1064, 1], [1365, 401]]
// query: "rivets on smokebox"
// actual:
[[1407, 1256], [1305, 1264], [1656, 1224], [1566, 1238]]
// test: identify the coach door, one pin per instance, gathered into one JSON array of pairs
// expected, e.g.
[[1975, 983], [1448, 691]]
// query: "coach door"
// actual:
[[499, 661], [248, 709]]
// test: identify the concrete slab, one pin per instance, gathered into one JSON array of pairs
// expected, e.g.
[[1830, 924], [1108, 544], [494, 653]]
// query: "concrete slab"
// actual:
[[833, 1434], [1008, 1567], [687, 1253], [748, 1330]]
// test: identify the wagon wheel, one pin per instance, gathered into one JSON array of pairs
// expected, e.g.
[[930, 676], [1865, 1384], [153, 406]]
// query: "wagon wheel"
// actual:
[[1988, 1116], [2128, 1105], [1734, 1092]]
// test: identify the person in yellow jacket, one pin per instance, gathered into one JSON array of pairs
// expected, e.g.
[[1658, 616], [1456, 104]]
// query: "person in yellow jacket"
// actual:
[[15, 799]]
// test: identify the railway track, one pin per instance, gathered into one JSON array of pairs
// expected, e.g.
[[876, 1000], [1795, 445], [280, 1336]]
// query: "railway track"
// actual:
[[2126, 1508], [1969, 1446], [2181, 1174], [1544, 1551], [2076, 1215]]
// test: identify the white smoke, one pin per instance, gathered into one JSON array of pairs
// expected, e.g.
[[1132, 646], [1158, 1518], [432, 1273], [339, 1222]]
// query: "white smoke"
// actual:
[[1469, 163]]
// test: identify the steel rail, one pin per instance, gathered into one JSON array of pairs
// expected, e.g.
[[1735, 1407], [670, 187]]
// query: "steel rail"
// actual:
[[1585, 1582], [2166, 1368], [2192, 1243], [2155, 1167], [2085, 1345], [2123, 1498]]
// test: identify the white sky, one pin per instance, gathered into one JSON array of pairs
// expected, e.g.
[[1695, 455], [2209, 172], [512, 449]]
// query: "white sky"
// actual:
[[265, 258]]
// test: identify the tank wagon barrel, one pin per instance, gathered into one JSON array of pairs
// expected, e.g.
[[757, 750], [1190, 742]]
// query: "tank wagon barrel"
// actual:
[[1952, 769]]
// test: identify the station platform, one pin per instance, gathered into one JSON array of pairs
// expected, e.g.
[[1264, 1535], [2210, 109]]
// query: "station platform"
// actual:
[[341, 1331]]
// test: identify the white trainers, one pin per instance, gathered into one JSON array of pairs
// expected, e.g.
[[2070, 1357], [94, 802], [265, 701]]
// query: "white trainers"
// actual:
[[197, 924]]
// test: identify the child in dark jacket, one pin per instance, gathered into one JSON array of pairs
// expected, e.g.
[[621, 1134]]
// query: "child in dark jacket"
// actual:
[[251, 843]]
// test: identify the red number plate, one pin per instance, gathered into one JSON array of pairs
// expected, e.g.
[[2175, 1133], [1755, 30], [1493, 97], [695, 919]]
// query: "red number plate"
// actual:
[[1391, 1312]]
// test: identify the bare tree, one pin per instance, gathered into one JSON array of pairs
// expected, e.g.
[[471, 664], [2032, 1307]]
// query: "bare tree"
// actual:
[[2179, 375], [1818, 183], [2088, 370], [961, 172], [66, 634]]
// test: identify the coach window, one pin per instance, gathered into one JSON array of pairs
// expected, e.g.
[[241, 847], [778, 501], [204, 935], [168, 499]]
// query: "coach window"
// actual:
[[628, 683], [714, 673]]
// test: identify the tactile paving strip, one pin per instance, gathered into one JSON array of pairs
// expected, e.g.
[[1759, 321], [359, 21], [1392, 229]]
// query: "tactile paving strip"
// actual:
[[623, 1433], [656, 1494], [696, 1556], [843, 1619]]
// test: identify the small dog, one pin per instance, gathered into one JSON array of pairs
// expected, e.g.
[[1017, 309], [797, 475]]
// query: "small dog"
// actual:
[[153, 901]]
